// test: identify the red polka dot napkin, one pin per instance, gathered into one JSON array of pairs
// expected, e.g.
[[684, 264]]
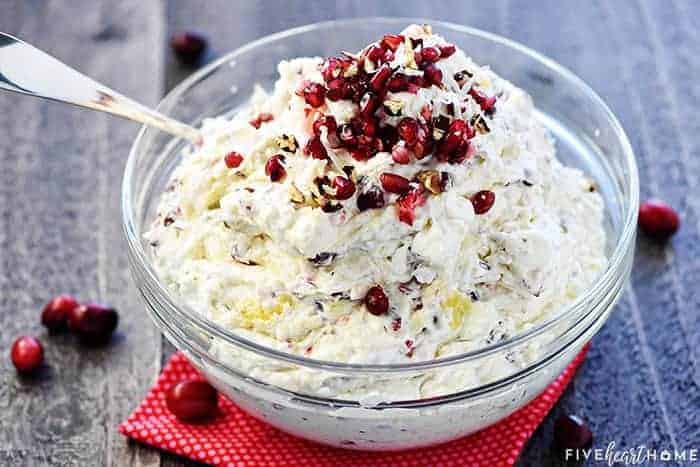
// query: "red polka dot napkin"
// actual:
[[234, 438]]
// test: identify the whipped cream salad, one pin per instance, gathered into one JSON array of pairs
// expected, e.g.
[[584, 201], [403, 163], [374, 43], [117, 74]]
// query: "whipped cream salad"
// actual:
[[392, 205]]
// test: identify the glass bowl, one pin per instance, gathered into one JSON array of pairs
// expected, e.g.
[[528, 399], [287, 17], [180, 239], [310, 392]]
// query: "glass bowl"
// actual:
[[280, 388]]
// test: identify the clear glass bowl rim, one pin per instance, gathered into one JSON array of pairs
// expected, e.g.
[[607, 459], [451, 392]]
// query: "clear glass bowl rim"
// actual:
[[603, 283]]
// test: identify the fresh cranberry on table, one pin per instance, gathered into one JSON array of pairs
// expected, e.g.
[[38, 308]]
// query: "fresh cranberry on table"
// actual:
[[571, 432], [192, 400], [188, 47], [658, 220], [27, 354], [55, 314], [93, 323]]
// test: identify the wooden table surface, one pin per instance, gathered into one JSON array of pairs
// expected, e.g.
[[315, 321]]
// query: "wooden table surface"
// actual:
[[60, 175]]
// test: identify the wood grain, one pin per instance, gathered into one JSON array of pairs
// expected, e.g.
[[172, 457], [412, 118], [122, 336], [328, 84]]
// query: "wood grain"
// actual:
[[61, 231], [60, 221]]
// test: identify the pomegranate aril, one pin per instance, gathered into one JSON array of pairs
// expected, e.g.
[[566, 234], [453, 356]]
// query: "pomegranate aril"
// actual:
[[482, 201], [336, 89], [374, 53], [388, 56], [326, 120], [314, 94], [394, 183], [368, 104], [274, 168], [314, 148], [388, 135], [658, 219], [433, 75], [346, 135], [27, 354], [192, 400], [376, 301], [571, 432], [430, 54], [93, 323], [419, 81], [260, 119], [407, 129], [397, 83], [447, 50], [381, 76], [485, 102], [344, 187], [400, 153], [368, 127], [407, 204], [371, 198], [188, 47], [332, 68], [360, 153], [392, 41], [233, 159], [55, 314]]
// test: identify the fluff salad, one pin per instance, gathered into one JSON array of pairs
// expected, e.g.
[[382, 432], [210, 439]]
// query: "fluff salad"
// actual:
[[284, 226]]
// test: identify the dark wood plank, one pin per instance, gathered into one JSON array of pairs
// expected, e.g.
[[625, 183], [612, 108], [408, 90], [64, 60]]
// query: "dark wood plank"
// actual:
[[61, 231]]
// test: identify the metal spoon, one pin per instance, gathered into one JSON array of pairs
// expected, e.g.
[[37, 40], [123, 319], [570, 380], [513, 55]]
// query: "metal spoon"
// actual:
[[27, 70]]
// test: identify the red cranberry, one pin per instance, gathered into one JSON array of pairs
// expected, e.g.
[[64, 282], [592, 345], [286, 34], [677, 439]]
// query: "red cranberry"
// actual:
[[401, 154], [483, 201], [658, 219], [372, 198], [233, 159], [274, 168], [447, 50], [27, 354], [378, 81], [398, 83], [55, 313], [326, 120], [188, 47], [408, 130], [344, 187], [392, 41], [430, 54], [376, 301], [394, 183], [407, 204], [93, 323], [314, 147], [570, 432], [433, 75], [314, 94], [192, 400]]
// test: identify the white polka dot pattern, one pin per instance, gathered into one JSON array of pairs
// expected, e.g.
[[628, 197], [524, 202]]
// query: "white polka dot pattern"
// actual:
[[234, 438]]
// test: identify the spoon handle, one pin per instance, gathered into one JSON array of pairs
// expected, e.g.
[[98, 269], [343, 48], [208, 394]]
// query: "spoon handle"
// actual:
[[27, 70]]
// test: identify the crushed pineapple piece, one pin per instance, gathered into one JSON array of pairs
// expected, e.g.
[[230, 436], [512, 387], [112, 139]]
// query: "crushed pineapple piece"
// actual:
[[460, 305]]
